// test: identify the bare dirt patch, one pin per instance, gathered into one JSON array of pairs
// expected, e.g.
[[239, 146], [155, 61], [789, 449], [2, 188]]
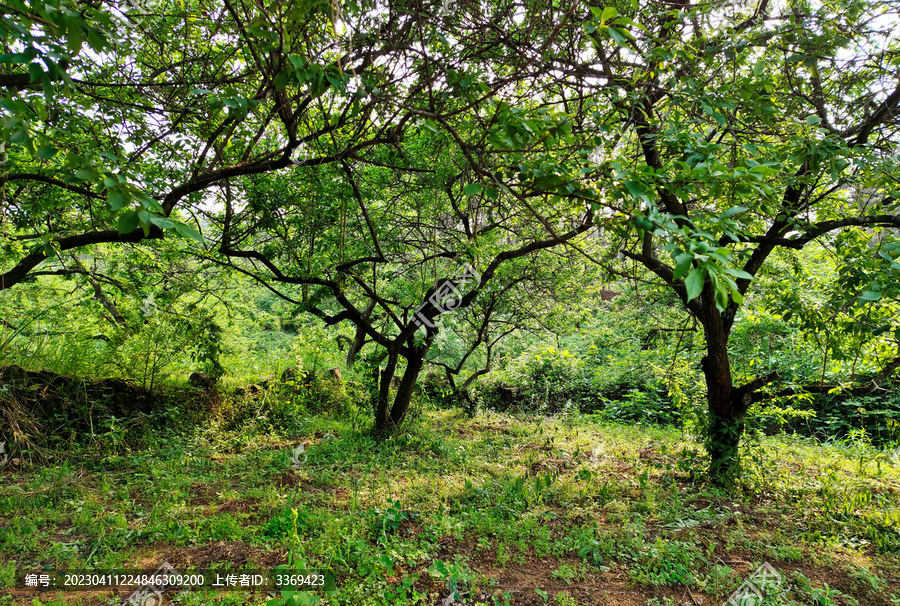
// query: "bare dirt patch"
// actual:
[[249, 506], [202, 494], [233, 554]]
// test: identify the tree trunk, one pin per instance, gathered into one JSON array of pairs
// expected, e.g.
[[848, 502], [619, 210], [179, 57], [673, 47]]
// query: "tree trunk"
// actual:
[[382, 417], [359, 338], [726, 416], [355, 345], [407, 383], [722, 439]]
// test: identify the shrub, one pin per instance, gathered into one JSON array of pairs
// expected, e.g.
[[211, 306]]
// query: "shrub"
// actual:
[[836, 415]]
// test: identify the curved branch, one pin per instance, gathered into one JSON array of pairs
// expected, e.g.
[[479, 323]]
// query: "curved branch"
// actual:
[[50, 181], [32, 260]]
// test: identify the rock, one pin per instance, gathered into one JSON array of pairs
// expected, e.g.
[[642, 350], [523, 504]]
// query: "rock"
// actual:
[[13, 374], [201, 380], [508, 395]]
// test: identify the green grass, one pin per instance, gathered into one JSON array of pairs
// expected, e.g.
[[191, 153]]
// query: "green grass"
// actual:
[[492, 509]]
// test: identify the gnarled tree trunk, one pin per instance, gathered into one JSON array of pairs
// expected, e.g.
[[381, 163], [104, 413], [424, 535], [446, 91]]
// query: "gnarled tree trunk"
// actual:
[[386, 419], [382, 412], [727, 405]]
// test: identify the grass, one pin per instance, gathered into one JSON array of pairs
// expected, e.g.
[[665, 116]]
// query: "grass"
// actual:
[[490, 509]]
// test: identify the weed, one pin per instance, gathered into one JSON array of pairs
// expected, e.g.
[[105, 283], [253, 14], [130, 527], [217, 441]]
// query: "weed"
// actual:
[[667, 563], [567, 573], [388, 520], [564, 599], [455, 574], [378, 513]]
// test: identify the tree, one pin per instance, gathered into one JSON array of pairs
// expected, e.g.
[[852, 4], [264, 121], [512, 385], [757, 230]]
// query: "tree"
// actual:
[[718, 135], [200, 99], [700, 137], [190, 95], [416, 224]]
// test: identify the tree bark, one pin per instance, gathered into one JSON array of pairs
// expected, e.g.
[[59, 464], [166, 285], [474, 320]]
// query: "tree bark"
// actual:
[[355, 345], [403, 398], [382, 416], [726, 415], [359, 338]]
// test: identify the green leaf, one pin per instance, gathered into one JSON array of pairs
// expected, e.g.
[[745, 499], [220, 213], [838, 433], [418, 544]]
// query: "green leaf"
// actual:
[[36, 72], [75, 40], [46, 152], [608, 13], [283, 78], [733, 211], [144, 218], [15, 58], [116, 200], [188, 232], [634, 189], [738, 273], [129, 222], [148, 202], [683, 264], [721, 297], [620, 35], [472, 188], [870, 295], [335, 82], [694, 282], [161, 222], [85, 174]]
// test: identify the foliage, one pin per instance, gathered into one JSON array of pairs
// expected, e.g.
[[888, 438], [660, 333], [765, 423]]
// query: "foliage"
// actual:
[[732, 172], [450, 504]]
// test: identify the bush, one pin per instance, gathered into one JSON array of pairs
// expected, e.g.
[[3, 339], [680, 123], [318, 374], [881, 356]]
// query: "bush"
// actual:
[[836, 415], [546, 381], [552, 381], [39, 409], [639, 406], [288, 402]]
